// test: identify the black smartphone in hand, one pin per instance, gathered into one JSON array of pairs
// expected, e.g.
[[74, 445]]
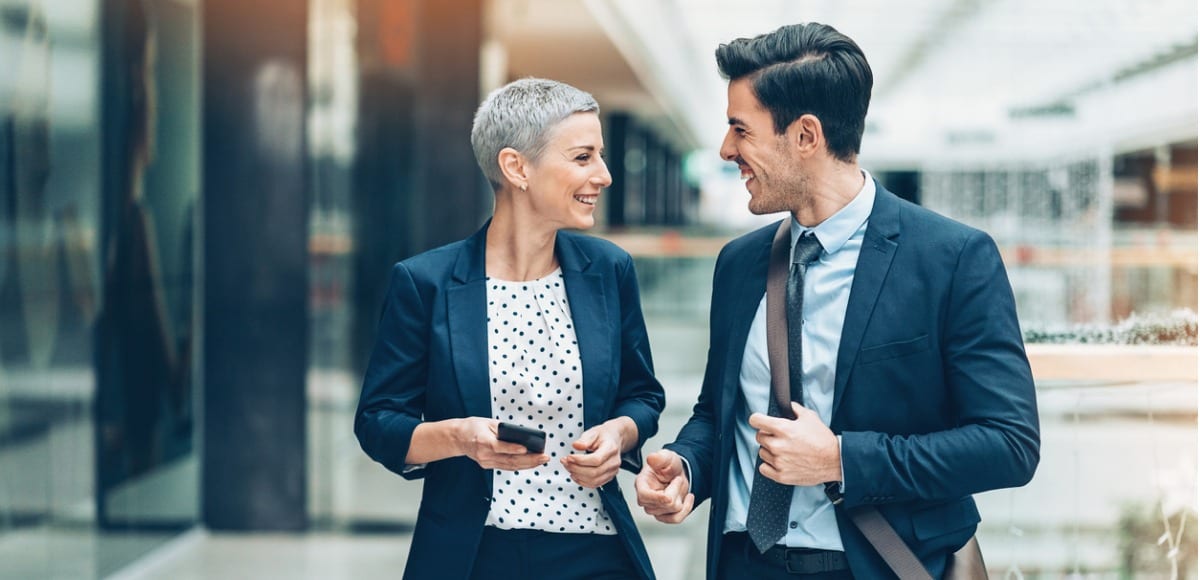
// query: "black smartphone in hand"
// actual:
[[534, 440]]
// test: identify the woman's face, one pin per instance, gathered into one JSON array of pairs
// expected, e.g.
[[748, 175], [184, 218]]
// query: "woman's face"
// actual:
[[565, 182]]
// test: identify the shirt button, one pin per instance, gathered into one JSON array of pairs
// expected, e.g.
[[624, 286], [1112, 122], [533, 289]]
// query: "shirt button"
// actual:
[[793, 525]]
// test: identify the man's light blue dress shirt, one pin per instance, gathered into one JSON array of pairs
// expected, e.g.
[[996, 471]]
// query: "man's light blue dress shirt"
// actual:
[[812, 523]]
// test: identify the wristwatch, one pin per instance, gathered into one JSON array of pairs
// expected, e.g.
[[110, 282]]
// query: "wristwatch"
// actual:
[[833, 491]]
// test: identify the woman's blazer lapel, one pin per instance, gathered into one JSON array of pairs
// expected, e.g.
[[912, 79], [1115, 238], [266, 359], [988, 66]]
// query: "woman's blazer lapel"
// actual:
[[466, 305], [593, 327]]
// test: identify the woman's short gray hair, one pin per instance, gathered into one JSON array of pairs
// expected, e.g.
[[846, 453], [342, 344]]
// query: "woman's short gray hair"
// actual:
[[521, 115]]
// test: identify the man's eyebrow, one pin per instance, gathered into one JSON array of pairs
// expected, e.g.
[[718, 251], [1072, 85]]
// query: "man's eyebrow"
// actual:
[[736, 121]]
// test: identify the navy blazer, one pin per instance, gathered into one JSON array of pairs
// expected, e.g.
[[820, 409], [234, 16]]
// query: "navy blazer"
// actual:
[[933, 395], [430, 363]]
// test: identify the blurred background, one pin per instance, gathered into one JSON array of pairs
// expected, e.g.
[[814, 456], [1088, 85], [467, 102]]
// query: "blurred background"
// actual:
[[200, 201]]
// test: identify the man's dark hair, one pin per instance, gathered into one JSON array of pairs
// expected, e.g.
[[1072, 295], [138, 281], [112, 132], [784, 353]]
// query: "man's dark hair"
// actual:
[[806, 69]]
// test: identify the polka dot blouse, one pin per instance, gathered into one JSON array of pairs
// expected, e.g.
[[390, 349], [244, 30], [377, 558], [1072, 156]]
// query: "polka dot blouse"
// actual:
[[536, 381]]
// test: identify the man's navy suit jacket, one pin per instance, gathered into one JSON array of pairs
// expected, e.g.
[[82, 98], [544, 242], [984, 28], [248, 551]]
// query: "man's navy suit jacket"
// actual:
[[430, 363], [933, 395]]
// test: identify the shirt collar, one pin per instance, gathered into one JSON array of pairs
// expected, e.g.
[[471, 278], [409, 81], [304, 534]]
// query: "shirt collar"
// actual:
[[837, 229]]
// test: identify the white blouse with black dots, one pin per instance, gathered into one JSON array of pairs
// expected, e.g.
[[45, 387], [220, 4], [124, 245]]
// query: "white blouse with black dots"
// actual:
[[537, 382]]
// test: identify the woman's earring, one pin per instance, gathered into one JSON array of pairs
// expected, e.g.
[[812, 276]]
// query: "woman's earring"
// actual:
[[524, 187]]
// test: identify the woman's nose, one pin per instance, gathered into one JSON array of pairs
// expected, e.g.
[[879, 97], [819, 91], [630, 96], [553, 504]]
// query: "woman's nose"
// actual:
[[604, 179]]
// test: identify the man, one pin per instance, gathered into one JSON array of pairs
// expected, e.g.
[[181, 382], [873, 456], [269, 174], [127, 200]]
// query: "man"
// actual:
[[902, 333]]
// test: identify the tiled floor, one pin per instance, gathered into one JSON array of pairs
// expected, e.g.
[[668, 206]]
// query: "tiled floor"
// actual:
[[201, 555], [62, 552]]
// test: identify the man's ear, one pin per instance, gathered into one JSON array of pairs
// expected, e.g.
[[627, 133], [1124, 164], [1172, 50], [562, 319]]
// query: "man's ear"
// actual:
[[515, 167], [807, 135]]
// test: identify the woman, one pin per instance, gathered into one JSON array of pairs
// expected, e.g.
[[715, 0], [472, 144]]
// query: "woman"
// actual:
[[526, 324]]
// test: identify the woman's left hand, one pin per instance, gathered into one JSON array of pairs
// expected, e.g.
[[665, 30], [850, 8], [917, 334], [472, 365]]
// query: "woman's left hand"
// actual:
[[600, 457]]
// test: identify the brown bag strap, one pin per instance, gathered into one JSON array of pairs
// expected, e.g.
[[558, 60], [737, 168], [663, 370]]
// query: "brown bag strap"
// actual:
[[777, 332], [869, 521], [899, 557]]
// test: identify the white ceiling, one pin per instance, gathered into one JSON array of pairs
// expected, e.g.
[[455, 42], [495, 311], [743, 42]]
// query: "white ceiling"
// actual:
[[563, 40], [952, 77]]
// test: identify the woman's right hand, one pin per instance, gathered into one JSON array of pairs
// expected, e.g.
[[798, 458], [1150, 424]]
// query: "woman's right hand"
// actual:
[[477, 440]]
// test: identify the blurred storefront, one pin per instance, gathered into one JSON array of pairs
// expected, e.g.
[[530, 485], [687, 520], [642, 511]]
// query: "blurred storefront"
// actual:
[[200, 201]]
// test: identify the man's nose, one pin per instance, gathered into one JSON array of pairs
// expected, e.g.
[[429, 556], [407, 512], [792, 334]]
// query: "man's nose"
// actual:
[[728, 151]]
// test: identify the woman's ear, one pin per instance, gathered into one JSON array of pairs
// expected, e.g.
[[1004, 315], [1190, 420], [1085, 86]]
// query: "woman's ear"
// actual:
[[515, 167]]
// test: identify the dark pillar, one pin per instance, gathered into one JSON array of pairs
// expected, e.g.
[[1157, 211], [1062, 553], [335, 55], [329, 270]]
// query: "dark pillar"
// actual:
[[655, 178], [384, 165], [674, 189], [416, 181], [615, 143], [451, 197], [255, 265], [636, 163], [692, 213], [382, 178]]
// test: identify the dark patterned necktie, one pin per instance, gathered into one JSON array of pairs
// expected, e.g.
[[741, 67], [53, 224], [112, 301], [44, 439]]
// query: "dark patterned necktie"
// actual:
[[770, 501]]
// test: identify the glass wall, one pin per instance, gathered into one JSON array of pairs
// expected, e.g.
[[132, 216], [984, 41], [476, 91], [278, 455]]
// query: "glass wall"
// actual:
[[145, 360], [49, 274], [99, 179]]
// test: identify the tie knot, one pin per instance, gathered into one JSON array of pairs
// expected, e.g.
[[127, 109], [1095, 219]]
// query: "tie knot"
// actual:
[[807, 249]]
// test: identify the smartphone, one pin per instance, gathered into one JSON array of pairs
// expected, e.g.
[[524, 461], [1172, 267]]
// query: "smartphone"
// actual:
[[533, 439]]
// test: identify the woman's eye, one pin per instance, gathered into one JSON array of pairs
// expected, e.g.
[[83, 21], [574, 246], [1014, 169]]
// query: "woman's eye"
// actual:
[[584, 158]]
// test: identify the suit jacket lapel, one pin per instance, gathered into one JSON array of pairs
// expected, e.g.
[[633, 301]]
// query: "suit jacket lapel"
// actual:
[[466, 302], [593, 328], [750, 291], [874, 262]]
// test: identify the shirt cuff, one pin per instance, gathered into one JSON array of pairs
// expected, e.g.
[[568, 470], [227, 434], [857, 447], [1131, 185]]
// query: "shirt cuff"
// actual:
[[842, 464], [687, 468]]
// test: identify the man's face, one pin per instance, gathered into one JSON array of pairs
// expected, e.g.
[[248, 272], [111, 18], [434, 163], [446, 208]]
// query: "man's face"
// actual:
[[766, 159]]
